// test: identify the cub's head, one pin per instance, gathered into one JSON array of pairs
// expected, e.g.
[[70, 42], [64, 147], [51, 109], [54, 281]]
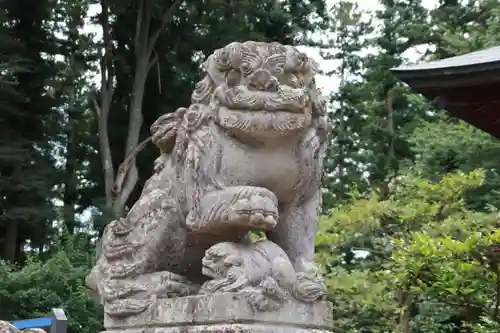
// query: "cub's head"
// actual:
[[220, 258], [225, 263]]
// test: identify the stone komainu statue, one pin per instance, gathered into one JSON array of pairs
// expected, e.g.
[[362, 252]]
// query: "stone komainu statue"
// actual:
[[247, 153]]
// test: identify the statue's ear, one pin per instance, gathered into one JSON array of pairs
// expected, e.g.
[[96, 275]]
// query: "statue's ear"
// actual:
[[233, 260]]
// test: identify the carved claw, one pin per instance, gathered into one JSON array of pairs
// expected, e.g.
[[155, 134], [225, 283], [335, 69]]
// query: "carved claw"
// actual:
[[235, 208], [258, 212]]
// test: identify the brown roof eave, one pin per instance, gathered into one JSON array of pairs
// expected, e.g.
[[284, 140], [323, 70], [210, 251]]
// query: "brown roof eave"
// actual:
[[450, 77], [473, 61], [466, 111], [415, 71]]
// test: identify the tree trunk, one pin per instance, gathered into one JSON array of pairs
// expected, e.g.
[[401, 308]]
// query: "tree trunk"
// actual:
[[11, 242], [391, 153], [70, 179], [341, 137], [405, 303], [119, 189], [70, 183], [122, 192], [103, 108], [390, 126], [144, 43]]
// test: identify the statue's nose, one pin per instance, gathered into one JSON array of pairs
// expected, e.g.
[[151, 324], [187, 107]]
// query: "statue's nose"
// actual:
[[272, 84], [263, 80]]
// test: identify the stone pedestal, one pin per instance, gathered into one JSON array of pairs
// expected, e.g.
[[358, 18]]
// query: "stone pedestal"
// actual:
[[225, 313]]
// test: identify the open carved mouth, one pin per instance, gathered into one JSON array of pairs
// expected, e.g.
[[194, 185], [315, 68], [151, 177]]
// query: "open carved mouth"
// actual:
[[284, 99]]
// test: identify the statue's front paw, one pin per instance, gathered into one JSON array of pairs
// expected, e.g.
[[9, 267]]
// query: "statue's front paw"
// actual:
[[234, 208], [258, 211]]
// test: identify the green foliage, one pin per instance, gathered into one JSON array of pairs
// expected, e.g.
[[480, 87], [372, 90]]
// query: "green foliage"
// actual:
[[445, 146], [33, 290], [421, 244]]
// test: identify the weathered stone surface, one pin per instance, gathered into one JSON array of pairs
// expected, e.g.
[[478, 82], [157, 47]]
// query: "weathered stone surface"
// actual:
[[224, 328], [247, 153], [6, 327], [229, 312]]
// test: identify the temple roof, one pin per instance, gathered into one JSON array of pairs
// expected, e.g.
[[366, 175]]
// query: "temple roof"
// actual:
[[468, 86], [483, 58]]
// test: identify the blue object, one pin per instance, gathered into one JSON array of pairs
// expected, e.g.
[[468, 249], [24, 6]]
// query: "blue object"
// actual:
[[32, 323], [57, 323]]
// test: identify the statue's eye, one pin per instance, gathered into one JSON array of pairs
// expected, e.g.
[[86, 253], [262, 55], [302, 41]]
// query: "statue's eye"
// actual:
[[252, 86]]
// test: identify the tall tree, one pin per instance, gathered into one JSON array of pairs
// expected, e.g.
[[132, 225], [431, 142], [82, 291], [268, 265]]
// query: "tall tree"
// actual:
[[72, 115], [374, 112], [152, 16], [392, 110], [345, 160], [26, 163]]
